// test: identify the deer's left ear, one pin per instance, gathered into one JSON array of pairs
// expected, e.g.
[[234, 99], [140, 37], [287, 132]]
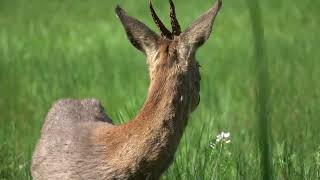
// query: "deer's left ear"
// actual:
[[200, 30], [140, 36]]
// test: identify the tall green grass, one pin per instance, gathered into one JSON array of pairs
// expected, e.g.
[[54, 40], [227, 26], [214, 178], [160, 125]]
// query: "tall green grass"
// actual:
[[263, 102], [56, 49]]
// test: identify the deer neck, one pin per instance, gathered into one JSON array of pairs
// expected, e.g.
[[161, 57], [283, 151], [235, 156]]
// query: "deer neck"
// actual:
[[146, 145], [162, 119], [167, 104]]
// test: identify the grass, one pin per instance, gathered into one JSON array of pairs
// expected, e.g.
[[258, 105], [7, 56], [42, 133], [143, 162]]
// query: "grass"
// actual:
[[55, 49], [262, 93]]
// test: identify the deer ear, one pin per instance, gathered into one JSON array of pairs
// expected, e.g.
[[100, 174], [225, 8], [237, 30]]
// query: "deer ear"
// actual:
[[200, 29], [140, 36]]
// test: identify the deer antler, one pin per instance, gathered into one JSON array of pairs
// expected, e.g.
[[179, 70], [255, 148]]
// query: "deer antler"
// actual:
[[176, 29], [164, 31]]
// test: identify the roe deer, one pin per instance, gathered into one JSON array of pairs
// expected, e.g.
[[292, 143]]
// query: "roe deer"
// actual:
[[79, 141]]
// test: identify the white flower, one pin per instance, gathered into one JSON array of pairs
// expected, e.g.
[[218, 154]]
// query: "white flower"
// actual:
[[226, 135], [219, 143], [213, 146], [222, 138]]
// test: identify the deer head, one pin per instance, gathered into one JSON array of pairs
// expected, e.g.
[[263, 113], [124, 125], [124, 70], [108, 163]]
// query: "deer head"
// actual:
[[173, 52]]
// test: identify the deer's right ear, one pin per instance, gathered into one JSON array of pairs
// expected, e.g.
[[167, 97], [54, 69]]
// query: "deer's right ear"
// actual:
[[201, 29], [140, 36]]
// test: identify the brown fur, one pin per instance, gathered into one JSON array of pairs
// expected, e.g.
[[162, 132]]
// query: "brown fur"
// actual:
[[79, 141]]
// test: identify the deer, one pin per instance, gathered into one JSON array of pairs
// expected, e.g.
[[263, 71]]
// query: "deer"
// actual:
[[79, 140]]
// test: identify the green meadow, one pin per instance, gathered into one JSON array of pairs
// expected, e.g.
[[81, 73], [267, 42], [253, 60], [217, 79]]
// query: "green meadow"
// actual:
[[77, 49]]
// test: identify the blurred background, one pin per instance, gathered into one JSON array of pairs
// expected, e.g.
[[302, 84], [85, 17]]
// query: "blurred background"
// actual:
[[77, 49]]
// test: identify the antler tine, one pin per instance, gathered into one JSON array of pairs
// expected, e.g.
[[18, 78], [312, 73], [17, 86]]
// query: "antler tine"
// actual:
[[176, 29], [164, 31]]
